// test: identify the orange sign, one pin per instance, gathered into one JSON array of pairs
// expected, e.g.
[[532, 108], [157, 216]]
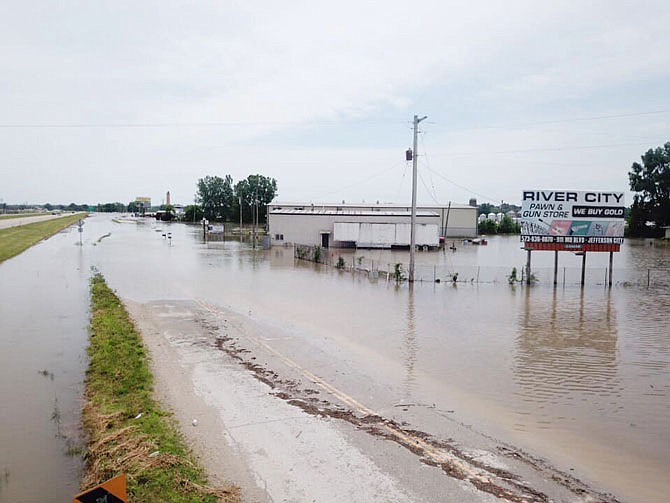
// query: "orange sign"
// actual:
[[112, 491]]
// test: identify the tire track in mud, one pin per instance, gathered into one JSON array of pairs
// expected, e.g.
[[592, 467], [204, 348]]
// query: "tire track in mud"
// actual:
[[439, 453]]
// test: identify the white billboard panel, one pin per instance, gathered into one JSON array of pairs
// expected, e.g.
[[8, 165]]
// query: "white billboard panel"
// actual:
[[572, 217]]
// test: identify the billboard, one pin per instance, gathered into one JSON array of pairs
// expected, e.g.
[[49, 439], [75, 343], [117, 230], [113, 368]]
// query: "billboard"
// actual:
[[572, 220]]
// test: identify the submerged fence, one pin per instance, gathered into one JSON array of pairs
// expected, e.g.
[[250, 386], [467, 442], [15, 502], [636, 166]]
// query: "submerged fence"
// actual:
[[650, 277]]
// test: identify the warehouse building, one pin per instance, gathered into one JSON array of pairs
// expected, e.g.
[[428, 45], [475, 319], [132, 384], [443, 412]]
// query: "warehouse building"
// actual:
[[367, 226]]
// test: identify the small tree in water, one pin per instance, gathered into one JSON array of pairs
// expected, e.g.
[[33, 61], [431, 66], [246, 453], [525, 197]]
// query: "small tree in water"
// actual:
[[398, 273], [513, 277]]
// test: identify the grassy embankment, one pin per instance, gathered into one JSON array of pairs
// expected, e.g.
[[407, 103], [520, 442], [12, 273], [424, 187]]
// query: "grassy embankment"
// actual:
[[15, 240], [127, 430]]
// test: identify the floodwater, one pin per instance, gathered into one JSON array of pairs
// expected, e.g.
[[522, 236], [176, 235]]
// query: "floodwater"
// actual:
[[43, 338], [580, 377]]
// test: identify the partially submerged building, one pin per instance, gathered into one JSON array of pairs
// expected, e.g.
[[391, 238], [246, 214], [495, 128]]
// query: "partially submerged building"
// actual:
[[367, 225]]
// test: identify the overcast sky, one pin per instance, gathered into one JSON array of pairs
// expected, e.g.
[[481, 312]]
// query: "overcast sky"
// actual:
[[106, 101]]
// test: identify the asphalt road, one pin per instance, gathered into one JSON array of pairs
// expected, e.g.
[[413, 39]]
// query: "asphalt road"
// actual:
[[5, 223]]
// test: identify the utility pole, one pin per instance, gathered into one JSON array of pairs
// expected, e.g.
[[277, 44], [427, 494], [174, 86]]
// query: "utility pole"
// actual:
[[254, 216], [412, 239]]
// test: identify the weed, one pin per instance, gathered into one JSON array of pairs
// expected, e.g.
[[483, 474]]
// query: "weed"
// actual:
[[340, 262], [398, 273], [72, 450], [118, 385], [46, 373]]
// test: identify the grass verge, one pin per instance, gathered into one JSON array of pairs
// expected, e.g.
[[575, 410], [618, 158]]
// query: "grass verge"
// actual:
[[15, 240], [128, 432]]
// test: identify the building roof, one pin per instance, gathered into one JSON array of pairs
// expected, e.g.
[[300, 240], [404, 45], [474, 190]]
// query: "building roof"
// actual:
[[347, 212], [385, 206]]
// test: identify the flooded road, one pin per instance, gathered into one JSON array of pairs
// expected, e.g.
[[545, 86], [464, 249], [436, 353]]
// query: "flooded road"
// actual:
[[580, 378]]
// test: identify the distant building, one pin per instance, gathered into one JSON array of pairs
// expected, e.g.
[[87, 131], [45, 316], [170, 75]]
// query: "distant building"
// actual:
[[144, 203], [367, 225]]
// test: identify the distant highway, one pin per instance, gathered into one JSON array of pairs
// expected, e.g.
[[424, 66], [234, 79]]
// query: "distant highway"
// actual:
[[13, 222]]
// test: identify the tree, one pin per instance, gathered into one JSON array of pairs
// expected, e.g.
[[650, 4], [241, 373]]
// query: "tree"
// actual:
[[486, 208], [257, 191], [508, 226], [169, 213], [487, 227], [216, 196], [111, 208], [193, 213], [651, 181], [636, 219]]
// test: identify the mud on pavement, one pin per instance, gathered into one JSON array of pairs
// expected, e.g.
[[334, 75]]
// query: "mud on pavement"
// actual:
[[179, 333], [442, 453]]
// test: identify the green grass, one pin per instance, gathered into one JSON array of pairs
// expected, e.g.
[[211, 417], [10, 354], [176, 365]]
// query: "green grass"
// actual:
[[119, 387], [15, 240]]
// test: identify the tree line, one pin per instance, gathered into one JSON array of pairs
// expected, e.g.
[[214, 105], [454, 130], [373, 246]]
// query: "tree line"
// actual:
[[650, 180], [218, 199]]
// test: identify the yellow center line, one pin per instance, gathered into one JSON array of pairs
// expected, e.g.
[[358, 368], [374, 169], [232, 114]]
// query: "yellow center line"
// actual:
[[435, 454]]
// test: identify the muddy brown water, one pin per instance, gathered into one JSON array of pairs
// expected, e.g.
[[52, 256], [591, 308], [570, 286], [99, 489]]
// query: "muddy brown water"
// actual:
[[43, 336], [578, 376]]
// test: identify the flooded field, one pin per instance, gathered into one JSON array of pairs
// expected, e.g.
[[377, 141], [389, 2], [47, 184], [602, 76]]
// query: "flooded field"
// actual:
[[577, 376]]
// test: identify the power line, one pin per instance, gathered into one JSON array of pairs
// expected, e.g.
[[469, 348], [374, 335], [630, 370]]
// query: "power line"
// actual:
[[562, 121], [425, 156], [487, 198], [365, 180], [549, 149], [167, 125], [431, 194], [344, 122]]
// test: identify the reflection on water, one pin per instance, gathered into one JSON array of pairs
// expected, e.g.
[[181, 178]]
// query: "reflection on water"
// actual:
[[566, 350], [43, 336], [410, 347], [550, 366]]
